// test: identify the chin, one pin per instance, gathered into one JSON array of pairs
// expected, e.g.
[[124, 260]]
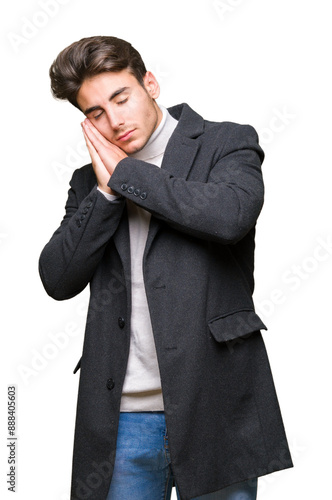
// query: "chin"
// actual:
[[133, 148]]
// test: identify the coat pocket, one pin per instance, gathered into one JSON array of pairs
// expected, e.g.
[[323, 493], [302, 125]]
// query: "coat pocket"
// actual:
[[235, 324]]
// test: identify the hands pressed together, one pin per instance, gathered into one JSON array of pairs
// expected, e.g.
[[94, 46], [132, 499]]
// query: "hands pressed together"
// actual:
[[104, 155]]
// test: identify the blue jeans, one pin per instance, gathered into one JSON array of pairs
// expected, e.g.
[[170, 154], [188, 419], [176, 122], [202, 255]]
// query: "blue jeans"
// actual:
[[143, 468]]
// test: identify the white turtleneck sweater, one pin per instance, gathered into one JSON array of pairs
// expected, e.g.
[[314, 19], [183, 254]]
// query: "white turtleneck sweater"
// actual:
[[142, 385]]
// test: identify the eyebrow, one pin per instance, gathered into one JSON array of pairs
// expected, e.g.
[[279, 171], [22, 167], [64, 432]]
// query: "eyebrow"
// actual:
[[115, 93]]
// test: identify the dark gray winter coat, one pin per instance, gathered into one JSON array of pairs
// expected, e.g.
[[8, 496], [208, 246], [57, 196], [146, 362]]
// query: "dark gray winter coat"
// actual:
[[221, 409]]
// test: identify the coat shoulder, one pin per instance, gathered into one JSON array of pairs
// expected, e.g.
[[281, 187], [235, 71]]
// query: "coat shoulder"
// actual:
[[230, 129], [231, 136], [83, 180], [84, 175], [213, 134]]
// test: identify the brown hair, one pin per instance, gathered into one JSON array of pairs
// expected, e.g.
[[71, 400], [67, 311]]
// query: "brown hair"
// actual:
[[89, 57]]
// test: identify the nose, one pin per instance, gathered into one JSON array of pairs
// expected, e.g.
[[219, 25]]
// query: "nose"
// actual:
[[115, 119]]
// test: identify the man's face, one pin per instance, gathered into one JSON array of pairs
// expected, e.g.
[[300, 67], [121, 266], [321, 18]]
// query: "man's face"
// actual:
[[121, 109]]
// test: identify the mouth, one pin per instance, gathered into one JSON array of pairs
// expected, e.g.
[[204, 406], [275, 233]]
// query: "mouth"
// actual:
[[126, 135]]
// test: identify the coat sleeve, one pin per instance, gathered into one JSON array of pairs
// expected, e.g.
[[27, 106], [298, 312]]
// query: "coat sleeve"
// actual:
[[223, 209], [70, 258]]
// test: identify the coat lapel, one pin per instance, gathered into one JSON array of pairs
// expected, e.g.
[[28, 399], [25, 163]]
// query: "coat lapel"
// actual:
[[180, 152], [122, 243]]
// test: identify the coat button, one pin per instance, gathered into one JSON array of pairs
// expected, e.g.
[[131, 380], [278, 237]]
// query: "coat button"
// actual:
[[137, 192], [110, 384], [121, 322], [124, 186], [131, 189], [143, 196]]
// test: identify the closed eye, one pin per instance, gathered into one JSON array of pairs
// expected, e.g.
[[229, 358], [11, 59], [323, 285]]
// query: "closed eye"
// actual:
[[98, 116]]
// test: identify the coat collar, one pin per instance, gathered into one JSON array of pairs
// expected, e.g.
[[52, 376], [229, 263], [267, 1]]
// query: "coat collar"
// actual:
[[191, 124], [183, 140]]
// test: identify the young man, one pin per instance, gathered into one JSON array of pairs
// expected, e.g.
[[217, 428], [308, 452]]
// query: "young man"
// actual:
[[175, 384]]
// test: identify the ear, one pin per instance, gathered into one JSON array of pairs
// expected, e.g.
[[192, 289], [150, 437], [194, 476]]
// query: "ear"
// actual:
[[151, 85]]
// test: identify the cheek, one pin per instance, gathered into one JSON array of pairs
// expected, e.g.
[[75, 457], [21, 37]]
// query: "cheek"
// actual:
[[104, 129], [143, 111], [149, 114]]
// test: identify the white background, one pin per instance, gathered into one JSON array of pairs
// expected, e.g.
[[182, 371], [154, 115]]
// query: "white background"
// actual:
[[261, 62]]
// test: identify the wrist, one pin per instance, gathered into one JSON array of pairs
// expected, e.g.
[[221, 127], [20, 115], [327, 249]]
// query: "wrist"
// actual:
[[107, 190]]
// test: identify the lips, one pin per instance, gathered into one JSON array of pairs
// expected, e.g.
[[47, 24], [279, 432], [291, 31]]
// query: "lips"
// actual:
[[126, 135]]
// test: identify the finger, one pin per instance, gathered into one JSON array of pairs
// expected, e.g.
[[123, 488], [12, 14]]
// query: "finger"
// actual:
[[87, 141], [94, 135], [99, 168], [108, 153], [92, 151], [91, 136]]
